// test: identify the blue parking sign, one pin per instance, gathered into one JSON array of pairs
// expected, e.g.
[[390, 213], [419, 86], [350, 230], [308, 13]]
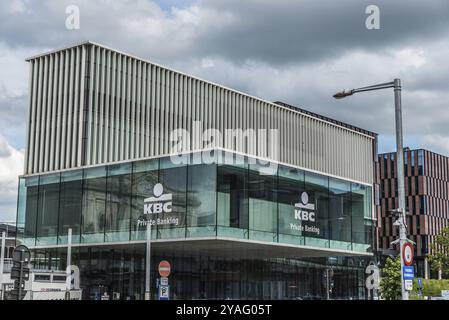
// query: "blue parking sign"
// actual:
[[164, 292], [419, 282]]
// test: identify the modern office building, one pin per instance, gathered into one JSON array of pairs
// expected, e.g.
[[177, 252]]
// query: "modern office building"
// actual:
[[247, 199], [427, 200]]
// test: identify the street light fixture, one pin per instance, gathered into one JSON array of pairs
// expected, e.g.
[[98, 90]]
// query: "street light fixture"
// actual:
[[396, 85]]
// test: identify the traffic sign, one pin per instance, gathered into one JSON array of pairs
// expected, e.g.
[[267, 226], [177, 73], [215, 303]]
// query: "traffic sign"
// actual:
[[15, 273], [408, 272], [407, 253], [408, 284], [164, 268], [164, 292], [21, 254], [445, 294], [164, 281], [15, 294], [19, 285]]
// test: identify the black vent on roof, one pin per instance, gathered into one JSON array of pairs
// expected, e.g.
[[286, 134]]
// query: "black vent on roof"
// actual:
[[316, 115]]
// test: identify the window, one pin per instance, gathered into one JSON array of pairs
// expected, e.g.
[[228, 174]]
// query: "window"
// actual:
[[42, 277], [290, 188], [201, 197], [70, 205], [57, 278], [48, 208], [232, 200], [174, 181], [32, 193], [420, 162], [118, 202], [94, 205], [262, 204], [361, 214], [145, 177], [317, 188], [340, 213]]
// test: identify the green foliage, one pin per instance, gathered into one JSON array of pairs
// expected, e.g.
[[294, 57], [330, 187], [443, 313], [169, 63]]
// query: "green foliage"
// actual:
[[390, 282], [439, 257], [430, 287]]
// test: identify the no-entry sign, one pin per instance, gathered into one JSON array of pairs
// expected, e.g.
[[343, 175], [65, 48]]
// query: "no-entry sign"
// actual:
[[164, 268], [407, 254]]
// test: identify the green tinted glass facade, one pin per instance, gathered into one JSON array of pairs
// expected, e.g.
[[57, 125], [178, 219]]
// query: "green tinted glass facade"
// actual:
[[113, 203]]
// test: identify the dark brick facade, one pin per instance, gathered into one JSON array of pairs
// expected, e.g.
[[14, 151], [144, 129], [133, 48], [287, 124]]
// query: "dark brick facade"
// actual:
[[427, 199]]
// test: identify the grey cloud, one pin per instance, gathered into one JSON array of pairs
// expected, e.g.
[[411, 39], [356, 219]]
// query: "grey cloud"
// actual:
[[279, 32], [275, 32], [13, 108], [279, 50], [4, 149]]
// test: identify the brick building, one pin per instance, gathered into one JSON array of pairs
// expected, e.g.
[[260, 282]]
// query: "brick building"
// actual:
[[427, 200]]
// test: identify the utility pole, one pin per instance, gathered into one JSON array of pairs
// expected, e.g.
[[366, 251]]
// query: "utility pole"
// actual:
[[68, 281], [400, 171], [2, 261], [148, 262], [396, 85]]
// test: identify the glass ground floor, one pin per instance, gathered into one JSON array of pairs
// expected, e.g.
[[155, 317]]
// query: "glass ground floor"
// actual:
[[232, 196], [212, 269], [318, 225]]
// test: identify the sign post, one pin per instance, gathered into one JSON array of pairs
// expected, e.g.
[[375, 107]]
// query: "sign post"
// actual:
[[68, 280], [2, 260], [164, 269], [148, 262], [408, 271]]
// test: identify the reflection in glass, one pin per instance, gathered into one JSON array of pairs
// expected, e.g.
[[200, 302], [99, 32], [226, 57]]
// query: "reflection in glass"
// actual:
[[201, 209], [262, 205], [70, 206], [290, 188], [48, 208], [317, 189], [340, 213], [94, 205], [118, 202]]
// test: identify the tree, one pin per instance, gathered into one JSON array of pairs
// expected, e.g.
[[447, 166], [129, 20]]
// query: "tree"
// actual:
[[439, 253], [390, 282]]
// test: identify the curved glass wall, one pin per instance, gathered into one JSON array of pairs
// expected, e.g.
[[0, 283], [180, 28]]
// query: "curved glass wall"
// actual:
[[115, 203]]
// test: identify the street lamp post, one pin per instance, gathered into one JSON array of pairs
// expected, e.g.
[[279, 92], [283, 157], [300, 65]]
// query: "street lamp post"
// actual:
[[396, 85], [148, 262]]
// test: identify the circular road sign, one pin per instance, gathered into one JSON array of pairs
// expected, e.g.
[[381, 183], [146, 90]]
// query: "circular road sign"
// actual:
[[164, 269], [21, 254], [407, 253]]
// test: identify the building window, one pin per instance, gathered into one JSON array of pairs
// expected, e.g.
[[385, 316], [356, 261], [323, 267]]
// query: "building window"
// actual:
[[232, 200], [317, 187], [48, 209], [290, 189], [32, 196], [262, 205], [340, 215], [145, 177], [118, 202], [201, 200], [70, 205], [94, 205], [420, 162]]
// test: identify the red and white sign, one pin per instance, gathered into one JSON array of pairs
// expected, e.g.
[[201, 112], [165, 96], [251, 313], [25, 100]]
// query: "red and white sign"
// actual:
[[164, 268], [407, 254]]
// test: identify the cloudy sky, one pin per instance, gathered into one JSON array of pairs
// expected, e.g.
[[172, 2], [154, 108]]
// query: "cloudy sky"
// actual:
[[299, 52]]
